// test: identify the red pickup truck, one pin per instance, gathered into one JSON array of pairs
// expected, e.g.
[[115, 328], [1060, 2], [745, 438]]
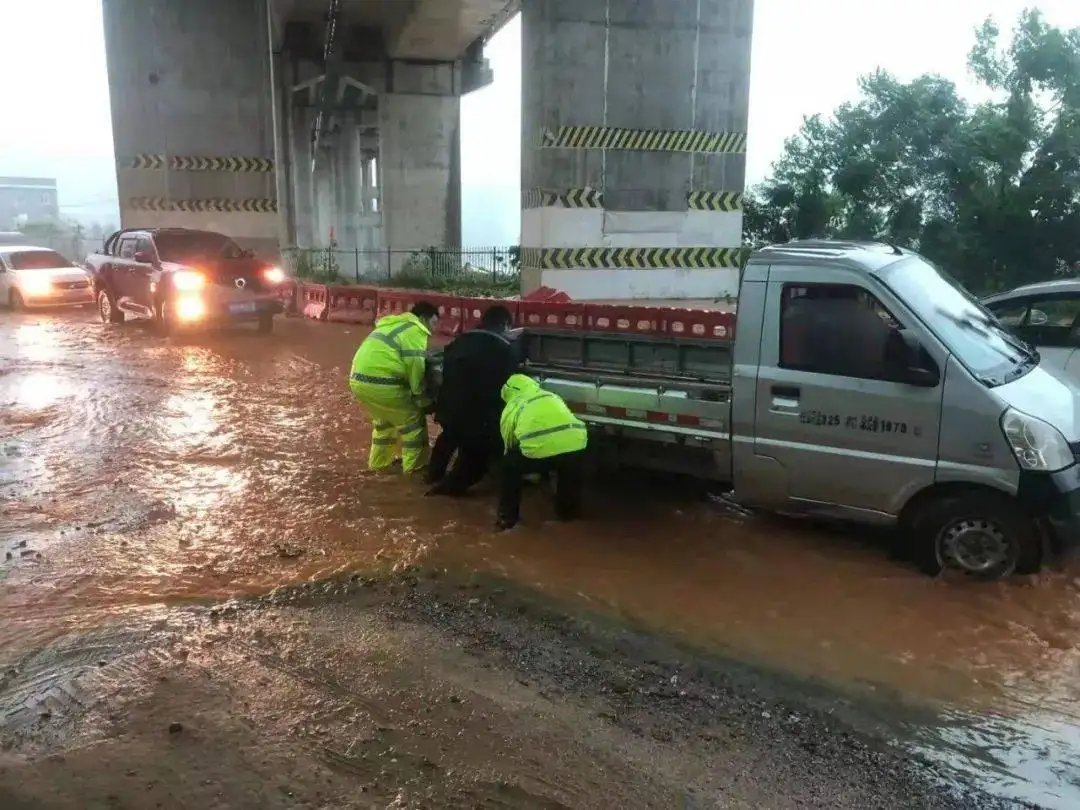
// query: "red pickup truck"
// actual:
[[183, 278]]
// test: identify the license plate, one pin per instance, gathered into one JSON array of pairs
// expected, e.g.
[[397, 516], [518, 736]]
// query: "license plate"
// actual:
[[238, 309]]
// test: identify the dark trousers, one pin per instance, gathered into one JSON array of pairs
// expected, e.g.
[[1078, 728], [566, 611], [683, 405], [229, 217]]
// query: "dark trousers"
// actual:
[[475, 450], [567, 468]]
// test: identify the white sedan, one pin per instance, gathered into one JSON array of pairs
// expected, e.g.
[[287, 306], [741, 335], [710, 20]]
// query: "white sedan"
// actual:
[[40, 277]]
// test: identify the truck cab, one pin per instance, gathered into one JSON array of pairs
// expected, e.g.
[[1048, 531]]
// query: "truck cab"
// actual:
[[863, 383]]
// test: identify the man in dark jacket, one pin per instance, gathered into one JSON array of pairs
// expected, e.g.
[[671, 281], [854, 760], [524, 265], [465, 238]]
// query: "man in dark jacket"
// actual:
[[476, 365]]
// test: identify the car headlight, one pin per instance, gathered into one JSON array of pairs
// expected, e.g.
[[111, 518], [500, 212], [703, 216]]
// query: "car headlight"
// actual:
[[188, 281], [1037, 445], [36, 284], [274, 275]]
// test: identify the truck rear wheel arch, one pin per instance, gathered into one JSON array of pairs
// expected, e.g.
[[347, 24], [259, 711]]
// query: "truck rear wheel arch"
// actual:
[[932, 504]]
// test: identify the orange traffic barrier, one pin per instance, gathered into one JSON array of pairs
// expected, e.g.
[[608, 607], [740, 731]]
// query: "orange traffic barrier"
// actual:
[[551, 314], [473, 310], [352, 304], [624, 318], [698, 323], [314, 301]]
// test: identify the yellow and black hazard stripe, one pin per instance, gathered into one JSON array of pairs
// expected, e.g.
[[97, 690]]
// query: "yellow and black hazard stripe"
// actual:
[[570, 198], [213, 204], [148, 162], [646, 140], [196, 163], [683, 258], [715, 201]]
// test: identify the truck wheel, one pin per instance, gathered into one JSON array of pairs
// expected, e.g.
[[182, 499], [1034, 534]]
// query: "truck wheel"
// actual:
[[982, 535], [266, 324], [107, 309], [163, 321], [15, 301]]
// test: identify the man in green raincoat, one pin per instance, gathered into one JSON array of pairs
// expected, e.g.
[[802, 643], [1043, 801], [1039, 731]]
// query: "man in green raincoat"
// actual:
[[540, 435], [388, 378]]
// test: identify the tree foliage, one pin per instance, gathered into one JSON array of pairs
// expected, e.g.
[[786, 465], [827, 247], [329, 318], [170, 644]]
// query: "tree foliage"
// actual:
[[991, 191]]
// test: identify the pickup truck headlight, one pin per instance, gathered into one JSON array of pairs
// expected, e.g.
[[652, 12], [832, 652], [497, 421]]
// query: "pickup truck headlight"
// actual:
[[1037, 445], [188, 281], [274, 275]]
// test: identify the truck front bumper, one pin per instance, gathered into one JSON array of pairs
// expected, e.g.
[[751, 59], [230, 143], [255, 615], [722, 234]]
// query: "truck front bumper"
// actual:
[[1054, 498]]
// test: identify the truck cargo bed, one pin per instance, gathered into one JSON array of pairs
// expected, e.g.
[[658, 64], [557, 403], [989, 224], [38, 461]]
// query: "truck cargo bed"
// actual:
[[663, 402]]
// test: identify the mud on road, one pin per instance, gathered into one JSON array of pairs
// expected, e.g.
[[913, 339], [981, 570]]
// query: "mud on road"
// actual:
[[140, 474], [418, 692]]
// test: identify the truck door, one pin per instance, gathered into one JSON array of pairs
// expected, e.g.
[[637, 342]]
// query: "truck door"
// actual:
[[120, 267], [850, 440], [143, 272]]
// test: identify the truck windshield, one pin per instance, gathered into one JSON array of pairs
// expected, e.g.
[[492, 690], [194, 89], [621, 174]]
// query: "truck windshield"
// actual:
[[37, 260], [969, 330], [185, 247]]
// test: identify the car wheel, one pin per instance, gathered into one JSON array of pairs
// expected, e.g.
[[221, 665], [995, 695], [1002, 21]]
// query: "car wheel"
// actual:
[[15, 301], [983, 535], [266, 324], [107, 309]]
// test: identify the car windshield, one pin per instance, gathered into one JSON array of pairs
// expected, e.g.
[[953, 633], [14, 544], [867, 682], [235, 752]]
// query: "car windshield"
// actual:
[[185, 247], [36, 260], [969, 330]]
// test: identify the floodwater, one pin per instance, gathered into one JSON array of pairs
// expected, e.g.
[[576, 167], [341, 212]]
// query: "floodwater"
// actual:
[[136, 470]]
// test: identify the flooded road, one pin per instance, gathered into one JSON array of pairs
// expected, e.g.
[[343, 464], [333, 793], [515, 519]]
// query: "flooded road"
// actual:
[[137, 470]]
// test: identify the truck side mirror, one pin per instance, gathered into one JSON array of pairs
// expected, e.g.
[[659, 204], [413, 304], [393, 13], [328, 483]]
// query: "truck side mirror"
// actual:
[[143, 257]]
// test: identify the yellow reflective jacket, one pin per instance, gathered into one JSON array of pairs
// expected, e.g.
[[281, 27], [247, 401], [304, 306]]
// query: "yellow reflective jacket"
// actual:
[[538, 421], [393, 354]]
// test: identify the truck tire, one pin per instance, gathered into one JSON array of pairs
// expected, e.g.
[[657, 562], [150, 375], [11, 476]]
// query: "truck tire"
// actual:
[[981, 534], [107, 309], [266, 324], [15, 301]]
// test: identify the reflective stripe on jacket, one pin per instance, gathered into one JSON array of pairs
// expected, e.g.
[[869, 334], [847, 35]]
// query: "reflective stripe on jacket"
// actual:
[[538, 421], [393, 354]]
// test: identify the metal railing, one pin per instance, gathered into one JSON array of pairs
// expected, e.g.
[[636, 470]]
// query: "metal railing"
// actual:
[[428, 268]]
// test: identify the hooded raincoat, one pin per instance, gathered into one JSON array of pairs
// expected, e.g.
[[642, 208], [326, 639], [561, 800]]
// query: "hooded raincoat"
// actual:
[[388, 378], [537, 422]]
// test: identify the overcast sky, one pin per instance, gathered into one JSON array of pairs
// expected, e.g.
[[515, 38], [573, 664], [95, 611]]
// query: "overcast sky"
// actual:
[[807, 56]]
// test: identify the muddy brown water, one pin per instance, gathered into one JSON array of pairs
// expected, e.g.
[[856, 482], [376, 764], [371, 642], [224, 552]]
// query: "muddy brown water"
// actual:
[[136, 470]]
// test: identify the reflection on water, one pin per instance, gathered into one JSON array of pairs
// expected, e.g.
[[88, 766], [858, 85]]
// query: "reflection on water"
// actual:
[[1030, 758], [237, 465]]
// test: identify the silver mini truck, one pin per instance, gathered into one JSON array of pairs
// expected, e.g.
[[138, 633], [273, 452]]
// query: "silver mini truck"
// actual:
[[863, 384]]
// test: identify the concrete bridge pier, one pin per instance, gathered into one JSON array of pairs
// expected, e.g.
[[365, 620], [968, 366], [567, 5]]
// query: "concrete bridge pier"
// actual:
[[192, 106], [634, 121]]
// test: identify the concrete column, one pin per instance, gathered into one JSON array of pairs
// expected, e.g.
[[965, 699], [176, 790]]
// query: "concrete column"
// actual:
[[420, 171], [303, 177], [283, 149], [192, 109], [634, 121]]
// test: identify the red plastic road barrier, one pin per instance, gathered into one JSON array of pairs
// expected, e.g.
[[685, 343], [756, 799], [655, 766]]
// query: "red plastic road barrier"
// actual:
[[286, 293], [699, 323], [473, 310], [553, 315], [314, 301], [394, 302], [451, 313], [620, 318], [352, 304], [547, 294]]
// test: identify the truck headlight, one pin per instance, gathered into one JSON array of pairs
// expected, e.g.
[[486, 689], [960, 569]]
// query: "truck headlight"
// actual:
[[188, 280], [1037, 445], [274, 275]]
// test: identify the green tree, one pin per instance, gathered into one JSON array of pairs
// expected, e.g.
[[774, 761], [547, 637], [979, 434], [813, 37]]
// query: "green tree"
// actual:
[[990, 191]]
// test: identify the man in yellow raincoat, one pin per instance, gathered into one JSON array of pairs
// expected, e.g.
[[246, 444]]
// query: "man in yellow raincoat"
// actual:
[[540, 435], [388, 377]]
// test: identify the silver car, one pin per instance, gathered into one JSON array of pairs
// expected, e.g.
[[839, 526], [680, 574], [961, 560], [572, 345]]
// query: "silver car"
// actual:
[[1046, 315]]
